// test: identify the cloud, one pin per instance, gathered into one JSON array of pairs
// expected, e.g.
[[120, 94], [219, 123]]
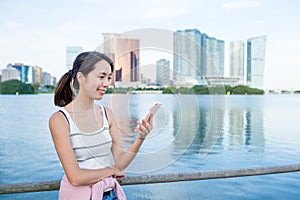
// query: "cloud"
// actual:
[[242, 4]]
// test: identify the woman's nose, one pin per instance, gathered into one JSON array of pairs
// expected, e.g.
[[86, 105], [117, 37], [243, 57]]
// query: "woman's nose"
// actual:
[[106, 82]]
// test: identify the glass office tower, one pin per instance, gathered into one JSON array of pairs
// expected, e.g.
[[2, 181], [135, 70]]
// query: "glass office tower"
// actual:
[[187, 53], [256, 48], [236, 60]]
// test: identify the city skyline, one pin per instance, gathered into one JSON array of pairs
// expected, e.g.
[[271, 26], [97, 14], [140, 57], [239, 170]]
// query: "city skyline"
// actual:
[[27, 74], [43, 42], [196, 57]]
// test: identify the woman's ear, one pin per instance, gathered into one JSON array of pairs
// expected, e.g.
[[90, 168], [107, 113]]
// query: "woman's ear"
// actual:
[[79, 77]]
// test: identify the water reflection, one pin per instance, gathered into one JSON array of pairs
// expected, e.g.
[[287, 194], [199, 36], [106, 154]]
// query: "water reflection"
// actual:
[[211, 128], [236, 125], [254, 121], [187, 124], [250, 134], [244, 127]]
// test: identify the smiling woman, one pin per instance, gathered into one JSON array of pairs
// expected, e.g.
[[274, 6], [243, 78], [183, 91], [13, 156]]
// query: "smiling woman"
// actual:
[[83, 65], [85, 134]]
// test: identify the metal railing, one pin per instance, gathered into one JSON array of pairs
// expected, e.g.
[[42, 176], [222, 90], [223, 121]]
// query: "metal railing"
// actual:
[[159, 178]]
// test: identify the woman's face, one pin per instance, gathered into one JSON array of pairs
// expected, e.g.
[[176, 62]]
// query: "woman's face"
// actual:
[[97, 81]]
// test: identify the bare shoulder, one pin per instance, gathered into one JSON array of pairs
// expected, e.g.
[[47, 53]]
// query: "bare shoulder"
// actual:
[[109, 114], [58, 121], [56, 117]]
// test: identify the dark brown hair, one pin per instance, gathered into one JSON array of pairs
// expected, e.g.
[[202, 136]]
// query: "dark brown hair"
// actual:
[[84, 63]]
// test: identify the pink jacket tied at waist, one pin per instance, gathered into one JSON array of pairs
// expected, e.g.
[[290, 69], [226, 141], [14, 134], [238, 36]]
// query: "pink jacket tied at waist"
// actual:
[[89, 192]]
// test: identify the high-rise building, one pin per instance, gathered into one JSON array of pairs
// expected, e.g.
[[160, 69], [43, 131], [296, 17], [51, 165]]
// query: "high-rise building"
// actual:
[[109, 43], [203, 66], [27, 73], [53, 81], [38, 74], [197, 56], [187, 54], [46, 79], [10, 73], [214, 58], [71, 53], [236, 60], [163, 72], [124, 51], [256, 48]]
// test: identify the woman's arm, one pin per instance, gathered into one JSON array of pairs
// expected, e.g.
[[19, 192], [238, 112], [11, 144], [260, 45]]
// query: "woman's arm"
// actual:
[[60, 130], [123, 158]]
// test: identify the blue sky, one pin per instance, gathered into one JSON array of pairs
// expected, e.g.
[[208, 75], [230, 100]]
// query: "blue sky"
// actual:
[[37, 32]]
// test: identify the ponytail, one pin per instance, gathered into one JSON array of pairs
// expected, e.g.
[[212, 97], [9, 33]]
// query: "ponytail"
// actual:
[[63, 92]]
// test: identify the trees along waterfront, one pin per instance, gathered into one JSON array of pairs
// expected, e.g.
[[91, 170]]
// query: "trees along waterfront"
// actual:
[[18, 87], [15, 87]]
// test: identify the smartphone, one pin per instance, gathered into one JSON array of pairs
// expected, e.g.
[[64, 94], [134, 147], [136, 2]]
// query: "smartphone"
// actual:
[[153, 110]]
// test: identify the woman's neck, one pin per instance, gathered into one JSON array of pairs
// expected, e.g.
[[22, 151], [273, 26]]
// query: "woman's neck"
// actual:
[[83, 103]]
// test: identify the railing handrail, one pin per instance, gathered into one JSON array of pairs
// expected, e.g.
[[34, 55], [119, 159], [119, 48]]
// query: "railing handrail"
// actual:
[[159, 178]]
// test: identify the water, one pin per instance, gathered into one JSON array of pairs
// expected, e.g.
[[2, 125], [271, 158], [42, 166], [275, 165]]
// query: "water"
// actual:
[[192, 133]]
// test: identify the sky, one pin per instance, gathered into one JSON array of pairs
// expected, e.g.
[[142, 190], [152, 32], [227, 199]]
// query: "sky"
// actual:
[[36, 32]]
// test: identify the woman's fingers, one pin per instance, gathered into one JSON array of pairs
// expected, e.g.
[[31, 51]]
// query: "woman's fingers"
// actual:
[[147, 125], [144, 128]]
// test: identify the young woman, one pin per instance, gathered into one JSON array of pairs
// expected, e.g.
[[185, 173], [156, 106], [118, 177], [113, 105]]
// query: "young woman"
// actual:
[[85, 134]]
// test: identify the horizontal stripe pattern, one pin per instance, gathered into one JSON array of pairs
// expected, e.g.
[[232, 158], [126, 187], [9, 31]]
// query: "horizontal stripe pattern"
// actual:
[[92, 157], [92, 150], [90, 134], [93, 146]]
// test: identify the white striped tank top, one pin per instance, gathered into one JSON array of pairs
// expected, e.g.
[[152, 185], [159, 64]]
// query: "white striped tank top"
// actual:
[[92, 150]]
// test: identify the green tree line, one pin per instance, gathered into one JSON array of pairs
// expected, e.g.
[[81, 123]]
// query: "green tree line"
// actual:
[[18, 87], [197, 89], [15, 87]]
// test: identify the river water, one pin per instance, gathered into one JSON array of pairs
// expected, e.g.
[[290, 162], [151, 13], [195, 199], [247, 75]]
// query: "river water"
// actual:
[[191, 133]]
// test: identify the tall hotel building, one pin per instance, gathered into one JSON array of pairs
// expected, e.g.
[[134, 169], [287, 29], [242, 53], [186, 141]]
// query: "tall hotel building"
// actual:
[[124, 51], [214, 57], [187, 52], [236, 60], [71, 53], [197, 56], [256, 48]]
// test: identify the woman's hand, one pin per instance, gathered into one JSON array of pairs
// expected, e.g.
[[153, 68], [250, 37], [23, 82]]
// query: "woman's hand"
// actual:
[[118, 174], [144, 128]]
